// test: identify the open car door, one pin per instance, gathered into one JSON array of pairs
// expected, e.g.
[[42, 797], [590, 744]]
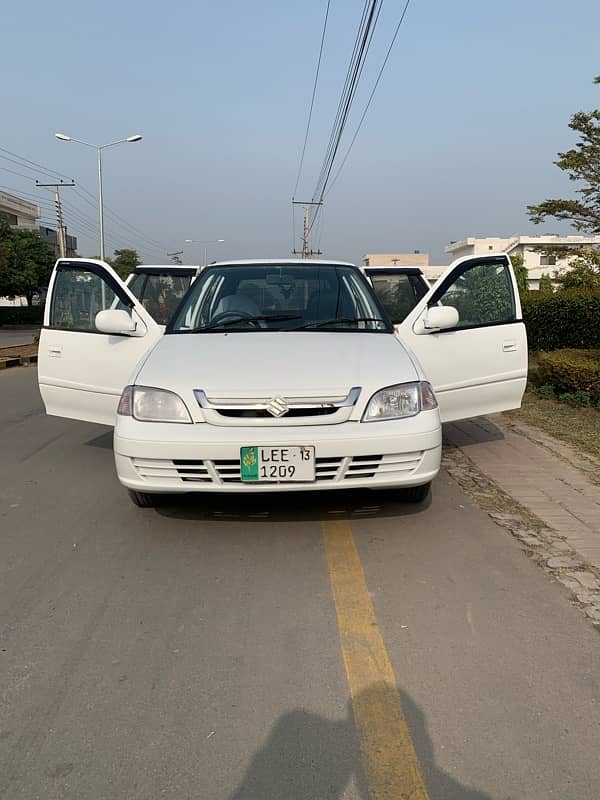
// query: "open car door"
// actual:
[[470, 339], [82, 369]]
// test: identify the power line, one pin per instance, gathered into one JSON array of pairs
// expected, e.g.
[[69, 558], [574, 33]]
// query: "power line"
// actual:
[[80, 219], [38, 167], [29, 164], [361, 47], [20, 174], [376, 84], [312, 99], [117, 219]]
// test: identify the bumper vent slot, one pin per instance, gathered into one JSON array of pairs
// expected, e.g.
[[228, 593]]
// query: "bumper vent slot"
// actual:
[[227, 471]]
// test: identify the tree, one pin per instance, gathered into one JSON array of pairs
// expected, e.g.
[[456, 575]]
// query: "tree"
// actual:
[[25, 263], [125, 261], [583, 272], [521, 275], [546, 286], [582, 164]]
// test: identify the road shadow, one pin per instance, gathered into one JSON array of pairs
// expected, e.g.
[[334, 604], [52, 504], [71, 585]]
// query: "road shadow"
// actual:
[[471, 431], [295, 506], [104, 441], [310, 757]]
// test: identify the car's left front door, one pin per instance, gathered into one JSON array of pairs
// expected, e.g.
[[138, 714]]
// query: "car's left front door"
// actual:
[[82, 371]]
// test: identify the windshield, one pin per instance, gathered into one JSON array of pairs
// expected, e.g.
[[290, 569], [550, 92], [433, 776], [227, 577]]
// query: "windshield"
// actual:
[[272, 297]]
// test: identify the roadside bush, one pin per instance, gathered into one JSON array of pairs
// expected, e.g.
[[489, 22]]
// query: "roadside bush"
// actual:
[[578, 399], [21, 315], [569, 318], [575, 373], [546, 391]]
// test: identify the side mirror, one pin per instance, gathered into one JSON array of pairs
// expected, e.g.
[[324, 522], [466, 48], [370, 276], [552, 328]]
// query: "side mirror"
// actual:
[[115, 321], [439, 318]]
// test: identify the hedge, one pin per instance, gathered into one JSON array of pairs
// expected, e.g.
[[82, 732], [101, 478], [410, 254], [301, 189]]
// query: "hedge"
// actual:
[[21, 315], [570, 371], [569, 318]]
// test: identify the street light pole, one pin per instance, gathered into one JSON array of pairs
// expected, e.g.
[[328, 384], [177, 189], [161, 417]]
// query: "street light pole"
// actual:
[[99, 148], [101, 204]]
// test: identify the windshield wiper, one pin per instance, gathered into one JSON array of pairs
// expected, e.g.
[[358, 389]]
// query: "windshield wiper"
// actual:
[[236, 320], [339, 320]]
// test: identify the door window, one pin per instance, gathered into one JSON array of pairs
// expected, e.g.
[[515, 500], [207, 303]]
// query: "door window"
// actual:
[[482, 294], [77, 296]]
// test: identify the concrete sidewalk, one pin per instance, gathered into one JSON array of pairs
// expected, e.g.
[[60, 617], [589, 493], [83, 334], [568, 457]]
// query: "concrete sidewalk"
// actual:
[[546, 476], [14, 336]]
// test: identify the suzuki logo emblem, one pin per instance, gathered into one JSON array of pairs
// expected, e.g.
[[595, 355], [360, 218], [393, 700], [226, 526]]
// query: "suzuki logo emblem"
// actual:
[[277, 406]]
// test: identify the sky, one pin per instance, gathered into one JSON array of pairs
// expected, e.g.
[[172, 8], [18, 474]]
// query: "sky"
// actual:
[[470, 113]]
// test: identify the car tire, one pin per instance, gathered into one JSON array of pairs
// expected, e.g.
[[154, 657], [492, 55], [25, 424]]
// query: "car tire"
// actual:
[[144, 499], [416, 494]]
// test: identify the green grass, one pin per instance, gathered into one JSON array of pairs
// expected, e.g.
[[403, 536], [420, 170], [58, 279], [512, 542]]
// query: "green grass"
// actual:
[[578, 427]]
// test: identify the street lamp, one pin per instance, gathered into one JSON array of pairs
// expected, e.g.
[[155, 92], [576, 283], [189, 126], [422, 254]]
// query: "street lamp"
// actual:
[[99, 148], [205, 243]]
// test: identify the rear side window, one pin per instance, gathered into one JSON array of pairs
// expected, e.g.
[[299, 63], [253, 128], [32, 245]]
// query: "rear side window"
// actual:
[[78, 295], [160, 294], [398, 293]]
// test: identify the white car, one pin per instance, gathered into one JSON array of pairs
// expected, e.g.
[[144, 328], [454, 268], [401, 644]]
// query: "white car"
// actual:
[[281, 375]]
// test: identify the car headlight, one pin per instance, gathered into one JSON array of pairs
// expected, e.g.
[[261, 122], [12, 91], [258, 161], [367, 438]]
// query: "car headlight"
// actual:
[[152, 405], [402, 400]]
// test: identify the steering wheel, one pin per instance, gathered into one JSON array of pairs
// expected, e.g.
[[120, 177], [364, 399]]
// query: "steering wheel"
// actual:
[[246, 315]]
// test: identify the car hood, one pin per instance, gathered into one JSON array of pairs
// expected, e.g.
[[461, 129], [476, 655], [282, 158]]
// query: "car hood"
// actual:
[[290, 364]]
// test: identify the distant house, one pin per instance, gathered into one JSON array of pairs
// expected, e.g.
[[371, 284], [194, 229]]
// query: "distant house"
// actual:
[[18, 213], [50, 236], [23, 215], [536, 262]]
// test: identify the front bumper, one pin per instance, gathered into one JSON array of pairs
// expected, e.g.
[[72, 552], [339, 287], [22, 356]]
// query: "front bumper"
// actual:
[[163, 457]]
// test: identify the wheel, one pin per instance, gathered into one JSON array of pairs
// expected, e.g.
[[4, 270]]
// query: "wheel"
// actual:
[[144, 499], [416, 494]]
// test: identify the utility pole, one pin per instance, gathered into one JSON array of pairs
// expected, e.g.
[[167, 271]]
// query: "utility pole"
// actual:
[[61, 231], [306, 252], [176, 256]]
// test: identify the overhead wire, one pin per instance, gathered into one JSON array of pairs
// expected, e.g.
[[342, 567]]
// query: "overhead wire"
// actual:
[[370, 100], [312, 99], [361, 46], [364, 38], [131, 231], [325, 182]]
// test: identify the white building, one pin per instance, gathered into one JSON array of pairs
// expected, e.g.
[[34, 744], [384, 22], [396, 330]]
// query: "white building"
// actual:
[[528, 247], [18, 212]]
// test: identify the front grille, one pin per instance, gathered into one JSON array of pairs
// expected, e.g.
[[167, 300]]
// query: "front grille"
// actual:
[[262, 414], [227, 471]]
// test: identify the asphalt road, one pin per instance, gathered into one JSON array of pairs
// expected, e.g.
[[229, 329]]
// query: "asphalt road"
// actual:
[[10, 337], [213, 649]]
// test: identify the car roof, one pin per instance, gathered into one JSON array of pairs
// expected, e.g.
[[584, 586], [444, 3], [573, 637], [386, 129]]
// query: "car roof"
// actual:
[[308, 262], [396, 270], [165, 267]]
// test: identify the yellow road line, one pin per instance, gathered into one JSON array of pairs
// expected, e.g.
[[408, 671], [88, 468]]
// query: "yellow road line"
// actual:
[[389, 756]]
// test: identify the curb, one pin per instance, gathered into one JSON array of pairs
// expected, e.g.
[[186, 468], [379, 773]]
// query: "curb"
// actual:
[[17, 361]]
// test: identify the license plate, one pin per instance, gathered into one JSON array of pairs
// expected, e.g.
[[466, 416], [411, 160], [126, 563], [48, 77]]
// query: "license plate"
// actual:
[[277, 464]]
